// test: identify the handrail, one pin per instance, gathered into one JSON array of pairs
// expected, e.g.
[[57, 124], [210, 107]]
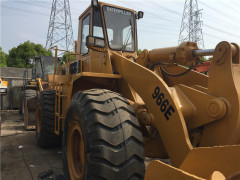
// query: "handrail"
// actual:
[[70, 54], [55, 61]]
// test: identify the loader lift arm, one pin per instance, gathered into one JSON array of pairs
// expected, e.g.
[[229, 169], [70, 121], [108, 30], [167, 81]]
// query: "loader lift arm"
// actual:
[[169, 119]]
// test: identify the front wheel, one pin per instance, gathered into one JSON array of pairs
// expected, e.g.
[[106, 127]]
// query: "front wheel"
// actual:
[[45, 119], [102, 138]]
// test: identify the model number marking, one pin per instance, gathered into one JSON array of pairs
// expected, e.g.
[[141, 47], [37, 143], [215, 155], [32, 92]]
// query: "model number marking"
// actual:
[[165, 106]]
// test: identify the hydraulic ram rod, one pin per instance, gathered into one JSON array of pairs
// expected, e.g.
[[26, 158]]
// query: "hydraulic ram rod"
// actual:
[[205, 52], [184, 54], [209, 52]]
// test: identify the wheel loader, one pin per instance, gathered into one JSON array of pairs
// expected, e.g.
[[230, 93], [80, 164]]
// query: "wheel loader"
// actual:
[[42, 66], [111, 108], [27, 106]]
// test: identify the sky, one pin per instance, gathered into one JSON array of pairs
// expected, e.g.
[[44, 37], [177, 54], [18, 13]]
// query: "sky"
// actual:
[[160, 26]]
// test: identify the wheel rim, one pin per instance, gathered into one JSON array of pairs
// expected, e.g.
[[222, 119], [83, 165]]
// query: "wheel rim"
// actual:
[[38, 119], [75, 152]]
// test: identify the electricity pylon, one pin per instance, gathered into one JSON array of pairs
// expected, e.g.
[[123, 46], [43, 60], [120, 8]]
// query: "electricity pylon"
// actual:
[[60, 31], [191, 26]]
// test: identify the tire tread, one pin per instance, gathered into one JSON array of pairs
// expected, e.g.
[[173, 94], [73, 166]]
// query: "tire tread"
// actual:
[[47, 137], [114, 143]]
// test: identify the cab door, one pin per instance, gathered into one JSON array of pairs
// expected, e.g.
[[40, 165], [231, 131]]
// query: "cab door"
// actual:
[[85, 24]]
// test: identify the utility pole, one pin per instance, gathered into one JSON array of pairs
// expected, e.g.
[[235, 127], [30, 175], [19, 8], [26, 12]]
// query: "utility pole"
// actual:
[[60, 31], [191, 26]]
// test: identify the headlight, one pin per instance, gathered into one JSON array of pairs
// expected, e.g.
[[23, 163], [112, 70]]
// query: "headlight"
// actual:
[[3, 90], [99, 42], [95, 41], [90, 41]]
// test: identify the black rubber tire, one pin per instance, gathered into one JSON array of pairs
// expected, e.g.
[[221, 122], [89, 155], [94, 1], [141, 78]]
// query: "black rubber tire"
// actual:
[[112, 137], [46, 137], [29, 93]]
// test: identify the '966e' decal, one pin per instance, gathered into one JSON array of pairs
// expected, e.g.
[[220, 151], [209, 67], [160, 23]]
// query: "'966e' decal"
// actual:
[[165, 106]]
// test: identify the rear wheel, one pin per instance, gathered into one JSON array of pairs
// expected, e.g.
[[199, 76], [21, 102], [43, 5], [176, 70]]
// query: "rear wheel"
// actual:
[[29, 93], [45, 119], [102, 138]]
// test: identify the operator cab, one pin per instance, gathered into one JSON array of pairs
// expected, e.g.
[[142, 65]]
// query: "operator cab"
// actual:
[[104, 27], [42, 67]]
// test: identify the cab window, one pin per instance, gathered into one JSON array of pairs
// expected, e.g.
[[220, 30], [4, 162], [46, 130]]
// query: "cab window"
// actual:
[[85, 33], [120, 28], [97, 23]]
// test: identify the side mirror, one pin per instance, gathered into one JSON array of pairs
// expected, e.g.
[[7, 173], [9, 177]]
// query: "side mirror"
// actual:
[[140, 14], [95, 3], [30, 61], [95, 41]]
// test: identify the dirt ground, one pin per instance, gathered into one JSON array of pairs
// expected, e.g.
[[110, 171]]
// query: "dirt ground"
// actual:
[[21, 158]]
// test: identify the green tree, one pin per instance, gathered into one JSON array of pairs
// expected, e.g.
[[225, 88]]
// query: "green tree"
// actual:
[[139, 51], [20, 55], [3, 62], [72, 57]]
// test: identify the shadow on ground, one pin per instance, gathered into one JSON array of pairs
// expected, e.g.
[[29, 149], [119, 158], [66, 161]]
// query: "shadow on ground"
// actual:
[[21, 158]]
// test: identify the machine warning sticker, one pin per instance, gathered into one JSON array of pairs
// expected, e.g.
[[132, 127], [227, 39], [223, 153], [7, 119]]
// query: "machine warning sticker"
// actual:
[[163, 103], [119, 11]]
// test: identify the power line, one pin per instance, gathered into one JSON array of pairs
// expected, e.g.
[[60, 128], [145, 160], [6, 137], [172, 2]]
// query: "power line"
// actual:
[[39, 4], [73, 10], [229, 7], [235, 3], [219, 30], [213, 36], [152, 14], [167, 9], [33, 3], [157, 27], [225, 16], [24, 10]]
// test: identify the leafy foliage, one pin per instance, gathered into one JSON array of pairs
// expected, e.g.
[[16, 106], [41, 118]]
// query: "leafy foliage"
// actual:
[[139, 51], [72, 57], [20, 55], [3, 62]]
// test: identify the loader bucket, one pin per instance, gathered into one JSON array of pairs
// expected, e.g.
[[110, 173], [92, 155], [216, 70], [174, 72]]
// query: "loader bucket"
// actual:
[[29, 113], [159, 170], [213, 163]]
